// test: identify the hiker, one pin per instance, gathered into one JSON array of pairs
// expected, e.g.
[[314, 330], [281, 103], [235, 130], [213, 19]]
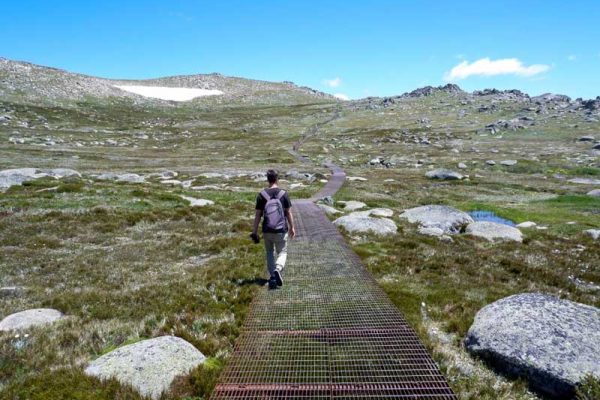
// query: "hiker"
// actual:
[[274, 204]]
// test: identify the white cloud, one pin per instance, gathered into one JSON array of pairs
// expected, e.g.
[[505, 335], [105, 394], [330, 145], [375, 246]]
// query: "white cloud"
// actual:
[[333, 83], [487, 67], [341, 96], [572, 57]]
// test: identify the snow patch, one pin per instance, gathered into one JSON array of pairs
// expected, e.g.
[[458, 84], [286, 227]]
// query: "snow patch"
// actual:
[[169, 93]]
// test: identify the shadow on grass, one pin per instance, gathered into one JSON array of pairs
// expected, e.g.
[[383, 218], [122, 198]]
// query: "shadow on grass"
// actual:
[[252, 281]]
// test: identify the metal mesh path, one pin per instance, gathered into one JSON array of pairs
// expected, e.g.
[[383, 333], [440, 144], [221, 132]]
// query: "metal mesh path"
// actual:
[[330, 332]]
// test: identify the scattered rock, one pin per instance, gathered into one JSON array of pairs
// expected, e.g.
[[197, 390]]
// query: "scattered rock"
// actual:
[[551, 342], [30, 318], [150, 366], [490, 162], [198, 202], [360, 224], [11, 177], [526, 224], [494, 231], [171, 182], [352, 205], [595, 193], [448, 219], [593, 233], [445, 174], [462, 165], [509, 162], [164, 175]]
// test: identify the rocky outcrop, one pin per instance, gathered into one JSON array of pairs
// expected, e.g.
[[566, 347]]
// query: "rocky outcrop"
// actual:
[[551, 342], [430, 90], [448, 219], [493, 231], [150, 366], [30, 319]]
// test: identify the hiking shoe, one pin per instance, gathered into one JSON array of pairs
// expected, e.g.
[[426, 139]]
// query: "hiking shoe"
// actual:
[[277, 276], [272, 283]]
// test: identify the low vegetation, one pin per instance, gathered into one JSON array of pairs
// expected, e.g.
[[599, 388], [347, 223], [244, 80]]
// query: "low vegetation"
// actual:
[[128, 261]]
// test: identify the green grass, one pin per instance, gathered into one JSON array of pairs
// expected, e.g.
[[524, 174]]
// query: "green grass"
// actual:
[[132, 261]]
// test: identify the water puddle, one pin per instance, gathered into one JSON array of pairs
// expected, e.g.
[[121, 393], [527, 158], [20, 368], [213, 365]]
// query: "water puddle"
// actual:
[[490, 216]]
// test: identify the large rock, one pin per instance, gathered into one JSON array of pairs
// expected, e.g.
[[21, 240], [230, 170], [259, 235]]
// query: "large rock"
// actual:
[[445, 174], [494, 231], [448, 219], [328, 209], [361, 224], [375, 212], [11, 177], [553, 343], [29, 319], [150, 366]]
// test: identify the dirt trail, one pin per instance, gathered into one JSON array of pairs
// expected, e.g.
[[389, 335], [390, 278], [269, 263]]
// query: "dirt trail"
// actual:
[[330, 332]]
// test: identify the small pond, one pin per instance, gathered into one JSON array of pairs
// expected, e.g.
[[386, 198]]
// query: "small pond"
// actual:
[[490, 216]]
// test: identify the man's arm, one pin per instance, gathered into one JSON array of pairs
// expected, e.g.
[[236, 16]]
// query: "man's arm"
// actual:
[[290, 219], [257, 217]]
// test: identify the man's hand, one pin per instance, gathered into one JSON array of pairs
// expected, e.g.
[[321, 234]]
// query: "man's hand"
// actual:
[[292, 232], [254, 237]]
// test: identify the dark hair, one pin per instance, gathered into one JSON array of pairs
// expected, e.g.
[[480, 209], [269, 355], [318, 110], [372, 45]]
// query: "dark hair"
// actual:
[[272, 176]]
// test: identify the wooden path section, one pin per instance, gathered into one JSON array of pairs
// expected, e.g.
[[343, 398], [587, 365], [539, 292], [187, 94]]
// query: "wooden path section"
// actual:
[[330, 332]]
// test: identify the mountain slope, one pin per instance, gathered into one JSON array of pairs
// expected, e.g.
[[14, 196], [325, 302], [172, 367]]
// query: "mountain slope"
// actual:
[[27, 83]]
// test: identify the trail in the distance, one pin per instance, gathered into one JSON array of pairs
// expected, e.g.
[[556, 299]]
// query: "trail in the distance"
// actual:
[[330, 332]]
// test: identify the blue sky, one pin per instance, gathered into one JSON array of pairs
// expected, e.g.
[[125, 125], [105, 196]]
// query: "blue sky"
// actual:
[[355, 48]]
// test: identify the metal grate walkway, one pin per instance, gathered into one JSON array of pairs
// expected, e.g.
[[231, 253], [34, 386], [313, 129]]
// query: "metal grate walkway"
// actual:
[[330, 332]]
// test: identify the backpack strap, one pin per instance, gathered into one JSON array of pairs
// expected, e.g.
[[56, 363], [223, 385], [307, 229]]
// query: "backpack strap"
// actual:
[[265, 195], [280, 194]]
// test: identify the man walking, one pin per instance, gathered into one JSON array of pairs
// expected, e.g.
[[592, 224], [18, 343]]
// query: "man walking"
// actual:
[[274, 204]]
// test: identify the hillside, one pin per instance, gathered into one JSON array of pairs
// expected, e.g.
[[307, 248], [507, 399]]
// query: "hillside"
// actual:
[[26, 83], [130, 216]]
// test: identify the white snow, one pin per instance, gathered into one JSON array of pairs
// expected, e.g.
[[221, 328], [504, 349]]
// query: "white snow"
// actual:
[[169, 93]]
